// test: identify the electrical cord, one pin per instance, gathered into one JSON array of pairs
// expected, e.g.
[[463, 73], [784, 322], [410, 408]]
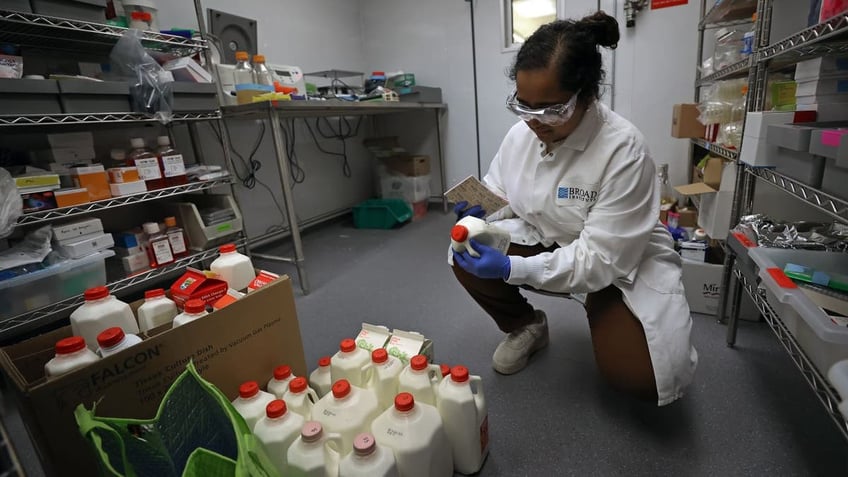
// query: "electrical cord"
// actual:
[[298, 175], [341, 135]]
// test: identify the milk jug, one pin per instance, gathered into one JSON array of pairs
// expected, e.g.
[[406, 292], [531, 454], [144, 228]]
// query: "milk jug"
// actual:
[[368, 459], [233, 267], [465, 418], [277, 430], [100, 311], [300, 398], [320, 378], [482, 232], [71, 354], [157, 310], [347, 411], [414, 432], [420, 379], [193, 310], [279, 383], [113, 339], [251, 402], [351, 363], [314, 453], [384, 377]]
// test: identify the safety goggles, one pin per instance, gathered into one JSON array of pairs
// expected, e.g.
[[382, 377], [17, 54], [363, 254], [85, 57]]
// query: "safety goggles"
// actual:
[[556, 115]]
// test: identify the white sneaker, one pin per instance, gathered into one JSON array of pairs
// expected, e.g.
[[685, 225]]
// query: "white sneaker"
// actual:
[[512, 354]]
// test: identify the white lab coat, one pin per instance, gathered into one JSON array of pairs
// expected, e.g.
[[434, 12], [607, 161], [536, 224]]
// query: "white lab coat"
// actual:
[[596, 195]]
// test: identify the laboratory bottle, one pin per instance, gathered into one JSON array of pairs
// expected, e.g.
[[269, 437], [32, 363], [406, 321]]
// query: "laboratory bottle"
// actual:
[[350, 362], [176, 237], [279, 382], [251, 402], [261, 73], [415, 434], [158, 246], [314, 453], [100, 311], [234, 268], [243, 73], [462, 406], [667, 199], [482, 232], [171, 163], [347, 411], [300, 397], [71, 354], [147, 164], [420, 379], [320, 378], [368, 459], [277, 430], [157, 310], [113, 340], [117, 158], [192, 310], [384, 376]]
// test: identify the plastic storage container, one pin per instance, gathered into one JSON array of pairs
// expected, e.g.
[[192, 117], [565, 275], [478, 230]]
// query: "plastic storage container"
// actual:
[[279, 383], [314, 453], [71, 353], [381, 213], [236, 269], [99, 312], [348, 410], [368, 459], [300, 397], [193, 310], [29, 96], [113, 340], [86, 10], [462, 406], [54, 283], [251, 402], [320, 378], [194, 97], [157, 310], [824, 341], [208, 219], [420, 379], [85, 96], [277, 431], [351, 363]]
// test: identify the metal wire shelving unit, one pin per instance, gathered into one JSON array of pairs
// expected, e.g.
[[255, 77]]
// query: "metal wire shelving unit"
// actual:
[[717, 149], [44, 120]]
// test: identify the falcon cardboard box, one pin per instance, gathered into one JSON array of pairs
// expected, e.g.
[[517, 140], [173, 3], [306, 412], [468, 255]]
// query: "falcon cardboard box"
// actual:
[[239, 343]]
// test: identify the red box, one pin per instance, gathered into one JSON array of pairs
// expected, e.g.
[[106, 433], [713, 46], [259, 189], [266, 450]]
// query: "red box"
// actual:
[[194, 284], [262, 278], [419, 209]]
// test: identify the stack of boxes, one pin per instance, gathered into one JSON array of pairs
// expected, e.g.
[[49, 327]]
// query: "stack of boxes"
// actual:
[[129, 246], [81, 238], [822, 86], [401, 175]]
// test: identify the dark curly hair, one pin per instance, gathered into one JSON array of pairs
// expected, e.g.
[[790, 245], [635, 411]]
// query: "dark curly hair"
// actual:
[[572, 48]]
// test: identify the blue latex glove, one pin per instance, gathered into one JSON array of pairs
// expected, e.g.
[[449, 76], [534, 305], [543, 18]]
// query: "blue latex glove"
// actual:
[[460, 210], [490, 264]]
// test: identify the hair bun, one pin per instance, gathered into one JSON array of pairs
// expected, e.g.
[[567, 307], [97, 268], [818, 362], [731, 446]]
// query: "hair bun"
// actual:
[[602, 27]]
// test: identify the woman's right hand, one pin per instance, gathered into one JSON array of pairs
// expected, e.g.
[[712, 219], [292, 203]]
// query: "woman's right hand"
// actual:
[[461, 211]]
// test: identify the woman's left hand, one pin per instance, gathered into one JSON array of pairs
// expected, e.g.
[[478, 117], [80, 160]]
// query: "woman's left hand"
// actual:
[[490, 264]]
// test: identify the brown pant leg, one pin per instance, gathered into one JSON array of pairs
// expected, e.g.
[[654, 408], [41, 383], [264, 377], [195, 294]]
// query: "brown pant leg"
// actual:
[[621, 349], [502, 301]]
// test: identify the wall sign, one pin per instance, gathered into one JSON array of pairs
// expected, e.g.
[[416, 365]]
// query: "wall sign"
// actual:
[[657, 4]]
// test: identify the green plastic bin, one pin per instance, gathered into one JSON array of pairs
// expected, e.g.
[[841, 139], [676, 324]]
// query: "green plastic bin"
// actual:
[[381, 213]]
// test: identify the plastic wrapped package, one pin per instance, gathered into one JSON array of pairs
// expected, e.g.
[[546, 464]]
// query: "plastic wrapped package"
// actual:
[[728, 47], [150, 84], [706, 67], [765, 232], [28, 255], [11, 204]]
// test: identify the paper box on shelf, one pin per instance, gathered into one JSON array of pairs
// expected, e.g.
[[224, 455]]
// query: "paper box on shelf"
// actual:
[[242, 342], [78, 248], [118, 175], [413, 166], [228, 299], [77, 229], [94, 179], [710, 178], [684, 121], [71, 197], [716, 196], [696, 251], [371, 337], [702, 283], [263, 277], [127, 188], [406, 344], [195, 285], [135, 263]]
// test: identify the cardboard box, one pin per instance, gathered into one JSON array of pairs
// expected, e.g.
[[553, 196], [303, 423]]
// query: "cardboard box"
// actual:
[[242, 342], [135, 263], [718, 181], [35, 201], [406, 344], [94, 179], [684, 121], [696, 251], [702, 283], [372, 337], [126, 252], [710, 178], [263, 278], [88, 245], [77, 229], [119, 175], [195, 285], [412, 166], [71, 197], [130, 238], [127, 188]]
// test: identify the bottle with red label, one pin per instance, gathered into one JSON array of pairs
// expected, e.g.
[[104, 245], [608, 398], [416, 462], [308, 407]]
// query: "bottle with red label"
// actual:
[[171, 163], [158, 246], [147, 164], [177, 238]]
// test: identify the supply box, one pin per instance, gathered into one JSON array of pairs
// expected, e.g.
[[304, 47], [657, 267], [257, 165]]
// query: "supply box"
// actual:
[[684, 121]]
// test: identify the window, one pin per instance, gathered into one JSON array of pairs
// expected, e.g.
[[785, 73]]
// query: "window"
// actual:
[[523, 17]]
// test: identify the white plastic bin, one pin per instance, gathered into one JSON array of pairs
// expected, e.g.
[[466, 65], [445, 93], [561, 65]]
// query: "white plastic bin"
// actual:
[[822, 340], [55, 283]]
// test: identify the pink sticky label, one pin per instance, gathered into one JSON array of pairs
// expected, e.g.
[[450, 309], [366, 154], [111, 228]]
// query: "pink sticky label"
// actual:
[[831, 137]]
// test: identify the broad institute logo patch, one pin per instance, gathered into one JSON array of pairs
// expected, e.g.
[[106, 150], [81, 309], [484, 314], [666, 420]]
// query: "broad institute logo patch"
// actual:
[[575, 193]]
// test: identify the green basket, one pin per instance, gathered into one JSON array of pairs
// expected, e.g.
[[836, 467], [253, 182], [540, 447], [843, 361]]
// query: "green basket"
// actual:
[[381, 213]]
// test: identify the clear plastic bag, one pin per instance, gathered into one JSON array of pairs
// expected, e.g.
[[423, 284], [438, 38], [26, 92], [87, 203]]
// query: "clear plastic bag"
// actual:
[[728, 47], [150, 84], [32, 250], [11, 205]]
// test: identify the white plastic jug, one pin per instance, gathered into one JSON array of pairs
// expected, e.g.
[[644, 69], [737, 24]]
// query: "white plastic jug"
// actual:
[[462, 406], [320, 378], [157, 310], [348, 410], [414, 432], [300, 398], [193, 310], [368, 459], [234, 268], [71, 354], [351, 363], [100, 311], [277, 430], [113, 340], [420, 379], [838, 377], [251, 402], [279, 383], [471, 227], [384, 377], [314, 453]]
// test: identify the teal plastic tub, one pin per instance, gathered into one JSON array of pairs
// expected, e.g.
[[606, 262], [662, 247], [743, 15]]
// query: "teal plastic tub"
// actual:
[[381, 213]]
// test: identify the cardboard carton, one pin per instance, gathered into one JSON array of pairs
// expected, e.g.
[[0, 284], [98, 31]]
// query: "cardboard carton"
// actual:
[[412, 166], [195, 285], [684, 121], [242, 342]]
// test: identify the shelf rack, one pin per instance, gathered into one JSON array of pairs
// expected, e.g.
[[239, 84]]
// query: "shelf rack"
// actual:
[[54, 33], [44, 120], [65, 212], [729, 13], [809, 42], [713, 148], [738, 69], [833, 206], [45, 315]]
